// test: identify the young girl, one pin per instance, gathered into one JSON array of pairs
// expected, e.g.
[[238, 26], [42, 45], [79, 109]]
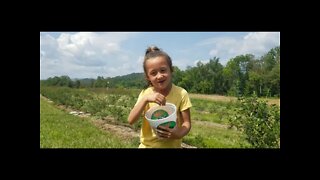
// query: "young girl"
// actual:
[[158, 70]]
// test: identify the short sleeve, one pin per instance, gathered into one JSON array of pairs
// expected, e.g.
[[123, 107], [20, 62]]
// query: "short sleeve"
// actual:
[[185, 101], [140, 97]]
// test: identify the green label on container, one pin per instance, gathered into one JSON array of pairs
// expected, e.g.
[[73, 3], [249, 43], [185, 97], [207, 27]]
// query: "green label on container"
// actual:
[[159, 114], [171, 124]]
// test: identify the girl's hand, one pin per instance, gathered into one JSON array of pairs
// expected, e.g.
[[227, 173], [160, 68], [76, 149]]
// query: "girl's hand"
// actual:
[[166, 132], [157, 98]]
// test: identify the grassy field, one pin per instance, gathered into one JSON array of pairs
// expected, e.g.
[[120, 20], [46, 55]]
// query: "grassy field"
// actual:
[[210, 125], [58, 129], [210, 119], [229, 98], [210, 135]]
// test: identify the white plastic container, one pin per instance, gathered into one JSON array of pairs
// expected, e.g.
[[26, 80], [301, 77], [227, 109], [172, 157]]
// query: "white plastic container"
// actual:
[[170, 108]]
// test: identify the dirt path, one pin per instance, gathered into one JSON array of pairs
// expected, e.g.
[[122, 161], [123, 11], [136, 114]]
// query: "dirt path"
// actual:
[[107, 124]]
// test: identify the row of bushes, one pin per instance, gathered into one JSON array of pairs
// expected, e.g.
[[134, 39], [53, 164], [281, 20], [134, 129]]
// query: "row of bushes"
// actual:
[[99, 105]]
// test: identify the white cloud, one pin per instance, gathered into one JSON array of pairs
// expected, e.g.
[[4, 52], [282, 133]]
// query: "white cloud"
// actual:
[[108, 54], [83, 54], [256, 43], [259, 43]]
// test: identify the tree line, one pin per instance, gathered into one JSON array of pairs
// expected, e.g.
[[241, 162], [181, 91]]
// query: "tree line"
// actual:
[[243, 75]]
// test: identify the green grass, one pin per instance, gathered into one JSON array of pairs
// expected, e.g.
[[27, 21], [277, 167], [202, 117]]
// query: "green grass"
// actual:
[[212, 111], [210, 136], [205, 134], [58, 129], [211, 117]]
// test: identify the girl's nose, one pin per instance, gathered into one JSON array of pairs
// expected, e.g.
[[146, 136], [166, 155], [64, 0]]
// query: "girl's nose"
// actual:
[[159, 76]]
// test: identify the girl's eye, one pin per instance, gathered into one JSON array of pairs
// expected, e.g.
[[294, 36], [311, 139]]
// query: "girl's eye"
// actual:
[[153, 73], [163, 70]]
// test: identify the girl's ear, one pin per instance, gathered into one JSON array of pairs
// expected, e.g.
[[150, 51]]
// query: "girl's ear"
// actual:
[[147, 79]]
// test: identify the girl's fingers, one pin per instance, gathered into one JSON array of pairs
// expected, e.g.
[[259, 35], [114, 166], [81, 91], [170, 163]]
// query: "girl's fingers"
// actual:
[[161, 101]]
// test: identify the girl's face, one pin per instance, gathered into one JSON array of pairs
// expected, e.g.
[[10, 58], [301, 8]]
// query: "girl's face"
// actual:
[[159, 73]]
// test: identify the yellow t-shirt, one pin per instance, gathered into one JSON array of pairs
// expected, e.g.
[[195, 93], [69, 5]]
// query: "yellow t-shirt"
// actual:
[[148, 138]]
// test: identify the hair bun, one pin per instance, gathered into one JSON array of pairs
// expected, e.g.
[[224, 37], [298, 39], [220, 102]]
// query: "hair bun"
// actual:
[[152, 49]]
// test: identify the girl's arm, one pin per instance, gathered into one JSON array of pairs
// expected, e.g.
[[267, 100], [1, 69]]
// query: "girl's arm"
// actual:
[[186, 124], [179, 132], [138, 108]]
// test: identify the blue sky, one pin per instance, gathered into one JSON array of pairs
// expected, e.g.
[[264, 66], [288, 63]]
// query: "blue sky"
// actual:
[[109, 54]]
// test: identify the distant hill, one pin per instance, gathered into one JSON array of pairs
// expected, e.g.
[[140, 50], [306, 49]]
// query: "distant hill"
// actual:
[[87, 82], [133, 80], [243, 75]]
